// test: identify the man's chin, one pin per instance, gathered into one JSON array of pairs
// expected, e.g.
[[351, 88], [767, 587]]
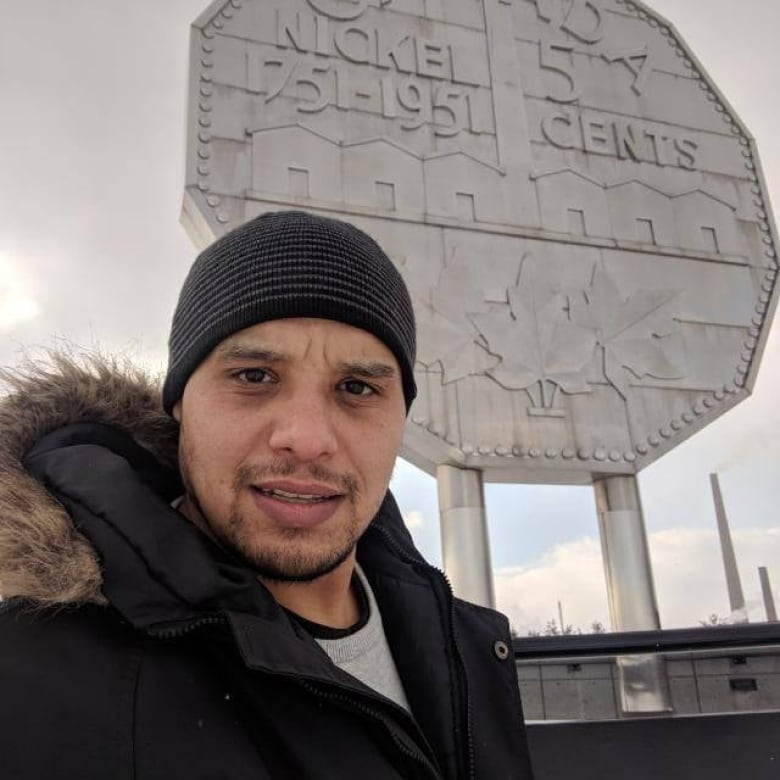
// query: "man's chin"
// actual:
[[284, 555], [286, 569]]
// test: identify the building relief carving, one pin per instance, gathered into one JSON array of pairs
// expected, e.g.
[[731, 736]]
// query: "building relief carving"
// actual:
[[634, 335], [541, 349], [580, 216], [535, 337]]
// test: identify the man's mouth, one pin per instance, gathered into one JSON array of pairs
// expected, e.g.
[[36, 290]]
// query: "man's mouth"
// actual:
[[294, 504], [295, 498]]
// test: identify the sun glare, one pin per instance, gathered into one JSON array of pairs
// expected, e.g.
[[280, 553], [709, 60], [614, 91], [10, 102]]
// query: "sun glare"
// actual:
[[17, 304]]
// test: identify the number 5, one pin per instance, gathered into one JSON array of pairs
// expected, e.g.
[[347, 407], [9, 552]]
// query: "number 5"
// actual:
[[547, 52], [449, 101], [315, 82]]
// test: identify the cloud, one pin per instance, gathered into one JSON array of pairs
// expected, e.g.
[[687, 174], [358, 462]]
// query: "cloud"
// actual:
[[687, 569], [689, 577], [16, 302], [414, 519], [571, 573], [415, 492]]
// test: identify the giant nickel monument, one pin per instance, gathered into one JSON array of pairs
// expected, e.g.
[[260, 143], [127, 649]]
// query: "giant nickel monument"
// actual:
[[578, 212]]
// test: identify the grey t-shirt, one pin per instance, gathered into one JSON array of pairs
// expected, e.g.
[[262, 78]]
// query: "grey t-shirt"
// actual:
[[365, 654]]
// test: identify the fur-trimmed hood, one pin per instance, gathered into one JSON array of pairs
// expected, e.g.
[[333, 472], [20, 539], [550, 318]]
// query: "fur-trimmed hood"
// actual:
[[42, 557]]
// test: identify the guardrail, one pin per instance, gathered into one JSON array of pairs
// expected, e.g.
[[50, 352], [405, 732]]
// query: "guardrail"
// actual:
[[723, 720], [633, 642]]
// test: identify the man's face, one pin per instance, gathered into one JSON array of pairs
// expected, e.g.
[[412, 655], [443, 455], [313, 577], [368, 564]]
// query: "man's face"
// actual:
[[289, 434]]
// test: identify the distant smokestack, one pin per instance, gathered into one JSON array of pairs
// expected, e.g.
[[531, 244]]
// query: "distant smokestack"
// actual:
[[769, 602], [736, 597]]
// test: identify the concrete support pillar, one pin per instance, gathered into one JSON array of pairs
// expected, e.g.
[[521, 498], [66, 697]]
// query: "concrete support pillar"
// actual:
[[630, 589], [464, 534], [644, 685]]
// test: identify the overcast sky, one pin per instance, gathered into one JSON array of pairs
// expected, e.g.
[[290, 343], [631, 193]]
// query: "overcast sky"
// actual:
[[91, 253]]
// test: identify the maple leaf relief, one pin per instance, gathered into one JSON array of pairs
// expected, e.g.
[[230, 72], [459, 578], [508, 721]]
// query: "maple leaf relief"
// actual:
[[633, 333], [446, 334], [535, 339]]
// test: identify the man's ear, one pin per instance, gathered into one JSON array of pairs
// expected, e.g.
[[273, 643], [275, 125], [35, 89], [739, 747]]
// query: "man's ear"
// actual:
[[176, 412]]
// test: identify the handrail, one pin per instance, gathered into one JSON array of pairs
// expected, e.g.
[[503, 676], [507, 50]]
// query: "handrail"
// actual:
[[633, 642]]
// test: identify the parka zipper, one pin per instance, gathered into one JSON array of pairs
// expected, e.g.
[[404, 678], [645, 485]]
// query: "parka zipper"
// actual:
[[351, 703], [176, 630], [460, 670]]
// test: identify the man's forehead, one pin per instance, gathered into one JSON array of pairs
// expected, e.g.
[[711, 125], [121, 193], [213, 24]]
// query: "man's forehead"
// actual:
[[293, 338]]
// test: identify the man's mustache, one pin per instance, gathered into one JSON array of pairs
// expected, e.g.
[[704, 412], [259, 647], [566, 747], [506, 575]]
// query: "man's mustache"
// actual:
[[250, 475]]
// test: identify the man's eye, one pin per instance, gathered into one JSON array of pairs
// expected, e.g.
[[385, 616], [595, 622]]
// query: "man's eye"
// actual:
[[254, 376], [356, 387]]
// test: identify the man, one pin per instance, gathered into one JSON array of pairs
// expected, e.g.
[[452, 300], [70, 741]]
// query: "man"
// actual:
[[229, 591]]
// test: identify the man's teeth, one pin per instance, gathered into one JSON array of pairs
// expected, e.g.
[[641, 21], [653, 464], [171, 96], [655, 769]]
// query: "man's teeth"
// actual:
[[301, 498]]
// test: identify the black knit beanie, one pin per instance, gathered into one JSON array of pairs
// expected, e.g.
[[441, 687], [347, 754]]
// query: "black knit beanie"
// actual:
[[289, 264]]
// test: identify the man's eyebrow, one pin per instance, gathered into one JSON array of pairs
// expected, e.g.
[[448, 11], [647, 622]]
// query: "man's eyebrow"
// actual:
[[368, 369], [238, 351]]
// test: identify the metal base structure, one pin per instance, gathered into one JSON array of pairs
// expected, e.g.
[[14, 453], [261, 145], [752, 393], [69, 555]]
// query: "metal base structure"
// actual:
[[464, 534], [644, 684]]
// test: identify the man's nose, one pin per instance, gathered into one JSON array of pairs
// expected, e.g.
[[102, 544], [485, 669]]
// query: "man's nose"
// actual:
[[304, 427]]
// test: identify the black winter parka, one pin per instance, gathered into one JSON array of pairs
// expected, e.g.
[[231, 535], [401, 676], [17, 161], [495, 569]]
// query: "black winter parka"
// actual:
[[189, 669]]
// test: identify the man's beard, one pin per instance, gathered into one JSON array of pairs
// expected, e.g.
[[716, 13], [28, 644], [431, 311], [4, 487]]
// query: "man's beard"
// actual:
[[293, 562]]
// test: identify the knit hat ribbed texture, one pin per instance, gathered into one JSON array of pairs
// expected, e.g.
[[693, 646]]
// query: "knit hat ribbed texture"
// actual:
[[289, 264]]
